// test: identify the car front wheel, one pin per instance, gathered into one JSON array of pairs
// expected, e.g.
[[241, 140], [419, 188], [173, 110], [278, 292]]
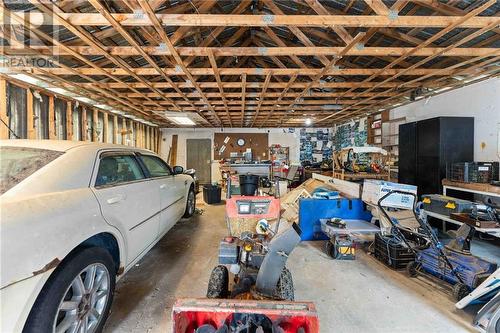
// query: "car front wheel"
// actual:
[[190, 204], [77, 296]]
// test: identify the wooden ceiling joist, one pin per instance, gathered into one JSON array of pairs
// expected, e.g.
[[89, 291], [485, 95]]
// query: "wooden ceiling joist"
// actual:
[[252, 63]]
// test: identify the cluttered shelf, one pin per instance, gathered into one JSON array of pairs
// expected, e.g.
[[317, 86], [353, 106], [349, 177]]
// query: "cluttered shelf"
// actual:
[[478, 188]]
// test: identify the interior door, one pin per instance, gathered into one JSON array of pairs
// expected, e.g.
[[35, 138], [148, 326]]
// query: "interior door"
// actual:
[[128, 200], [171, 191], [199, 155]]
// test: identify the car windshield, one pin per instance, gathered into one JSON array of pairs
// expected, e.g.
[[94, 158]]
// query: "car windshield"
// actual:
[[17, 163]]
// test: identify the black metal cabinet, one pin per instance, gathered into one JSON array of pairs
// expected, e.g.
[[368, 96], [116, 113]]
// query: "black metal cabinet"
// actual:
[[427, 146]]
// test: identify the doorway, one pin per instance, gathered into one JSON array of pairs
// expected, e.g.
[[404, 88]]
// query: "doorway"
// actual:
[[199, 158]]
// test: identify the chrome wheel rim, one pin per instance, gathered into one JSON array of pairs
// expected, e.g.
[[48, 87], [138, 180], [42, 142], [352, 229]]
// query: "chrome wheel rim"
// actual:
[[82, 306], [191, 202]]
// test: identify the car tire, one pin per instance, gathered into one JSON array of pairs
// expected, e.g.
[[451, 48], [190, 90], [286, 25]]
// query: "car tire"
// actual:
[[80, 290], [190, 204]]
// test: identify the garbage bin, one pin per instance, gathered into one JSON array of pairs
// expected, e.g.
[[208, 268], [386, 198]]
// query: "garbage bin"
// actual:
[[212, 194], [249, 184]]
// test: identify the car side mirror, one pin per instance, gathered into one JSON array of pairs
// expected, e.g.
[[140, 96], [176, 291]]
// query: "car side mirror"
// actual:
[[178, 170]]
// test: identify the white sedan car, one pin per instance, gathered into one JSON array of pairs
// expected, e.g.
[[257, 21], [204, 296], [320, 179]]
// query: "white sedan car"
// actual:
[[75, 216]]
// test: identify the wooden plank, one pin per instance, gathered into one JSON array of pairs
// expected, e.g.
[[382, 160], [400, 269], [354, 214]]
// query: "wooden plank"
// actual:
[[52, 119], [30, 123], [4, 130], [124, 131], [225, 20], [115, 127], [84, 124], [146, 71], [347, 188], [105, 129], [69, 121], [173, 151], [95, 124]]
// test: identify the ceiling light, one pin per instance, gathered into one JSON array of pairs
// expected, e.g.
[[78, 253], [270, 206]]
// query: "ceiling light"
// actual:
[[25, 78], [308, 122], [182, 121]]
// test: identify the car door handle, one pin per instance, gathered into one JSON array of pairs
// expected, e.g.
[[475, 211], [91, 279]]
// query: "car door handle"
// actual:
[[162, 186], [185, 182], [116, 199]]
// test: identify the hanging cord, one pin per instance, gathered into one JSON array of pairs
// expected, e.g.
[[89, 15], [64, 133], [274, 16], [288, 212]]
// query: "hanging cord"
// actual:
[[10, 130]]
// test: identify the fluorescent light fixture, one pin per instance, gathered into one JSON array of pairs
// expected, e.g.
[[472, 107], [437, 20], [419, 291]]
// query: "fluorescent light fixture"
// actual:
[[85, 100], [25, 78], [332, 107], [59, 91], [308, 122], [182, 121]]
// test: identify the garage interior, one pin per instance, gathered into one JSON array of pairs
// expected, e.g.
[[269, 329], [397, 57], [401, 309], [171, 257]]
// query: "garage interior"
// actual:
[[332, 104]]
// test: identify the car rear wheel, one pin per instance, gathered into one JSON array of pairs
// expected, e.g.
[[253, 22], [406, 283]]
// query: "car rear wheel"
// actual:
[[77, 296], [190, 204]]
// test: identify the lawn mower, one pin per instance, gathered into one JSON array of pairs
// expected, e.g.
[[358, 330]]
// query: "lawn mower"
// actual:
[[261, 297], [452, 263]]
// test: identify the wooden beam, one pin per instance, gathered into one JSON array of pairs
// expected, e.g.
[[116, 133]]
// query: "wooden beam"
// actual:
[[4, 127], [227, 51], [30, 123], [84, 124], [52, 119], [378, 7], [115, 129], [243, 96], [69, 120], [160, 30], [215, 69], [95, 123], [146, 71], [105, 128], [253, 85], [261, 98], [224, 20]]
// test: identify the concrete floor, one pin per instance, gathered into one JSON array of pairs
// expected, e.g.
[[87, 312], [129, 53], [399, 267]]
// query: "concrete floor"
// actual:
[[350, 296]]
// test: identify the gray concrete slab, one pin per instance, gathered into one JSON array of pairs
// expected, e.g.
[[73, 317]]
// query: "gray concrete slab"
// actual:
[[350, 296]]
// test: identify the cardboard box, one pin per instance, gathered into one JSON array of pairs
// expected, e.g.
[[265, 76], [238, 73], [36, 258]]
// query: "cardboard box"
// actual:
[[373, 190]]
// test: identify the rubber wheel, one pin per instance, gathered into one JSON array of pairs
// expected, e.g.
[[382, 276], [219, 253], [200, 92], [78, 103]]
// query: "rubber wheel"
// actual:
[[284, 289], [460, 290], [218, 285], [190, 204], [411, 269], [329, 249], [61, 286]]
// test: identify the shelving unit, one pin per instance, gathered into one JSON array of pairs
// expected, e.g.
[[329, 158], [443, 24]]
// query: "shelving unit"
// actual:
[[279, 156]]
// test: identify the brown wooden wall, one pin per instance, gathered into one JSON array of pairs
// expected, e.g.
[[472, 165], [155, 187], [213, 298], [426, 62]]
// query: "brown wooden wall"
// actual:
[[259, 142]]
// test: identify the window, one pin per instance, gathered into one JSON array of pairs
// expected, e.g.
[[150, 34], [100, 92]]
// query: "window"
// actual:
[[116, 169], [17, 163], [156, 166]]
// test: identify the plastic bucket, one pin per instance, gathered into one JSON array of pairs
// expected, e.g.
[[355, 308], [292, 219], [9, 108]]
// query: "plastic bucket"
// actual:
[[249, 184], [212, 194]]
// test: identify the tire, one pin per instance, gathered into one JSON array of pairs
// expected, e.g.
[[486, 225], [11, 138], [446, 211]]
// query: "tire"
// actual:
[[63, 285], [218, 285], [329, 249], [411, 269], [460, 290], [284, 289], [190, 204]]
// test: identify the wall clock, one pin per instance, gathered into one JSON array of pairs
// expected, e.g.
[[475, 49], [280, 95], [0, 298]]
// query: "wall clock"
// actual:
[[241, 142]]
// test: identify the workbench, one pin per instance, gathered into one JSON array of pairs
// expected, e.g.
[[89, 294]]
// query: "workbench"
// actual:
[[476, 188]]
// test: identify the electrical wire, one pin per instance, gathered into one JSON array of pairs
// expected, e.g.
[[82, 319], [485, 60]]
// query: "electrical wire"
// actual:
[[10, 130]]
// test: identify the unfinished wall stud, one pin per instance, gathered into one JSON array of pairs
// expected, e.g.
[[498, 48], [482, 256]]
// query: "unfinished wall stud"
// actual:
[[30, 117], [69, 121], [52, 119], [4, 130]]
